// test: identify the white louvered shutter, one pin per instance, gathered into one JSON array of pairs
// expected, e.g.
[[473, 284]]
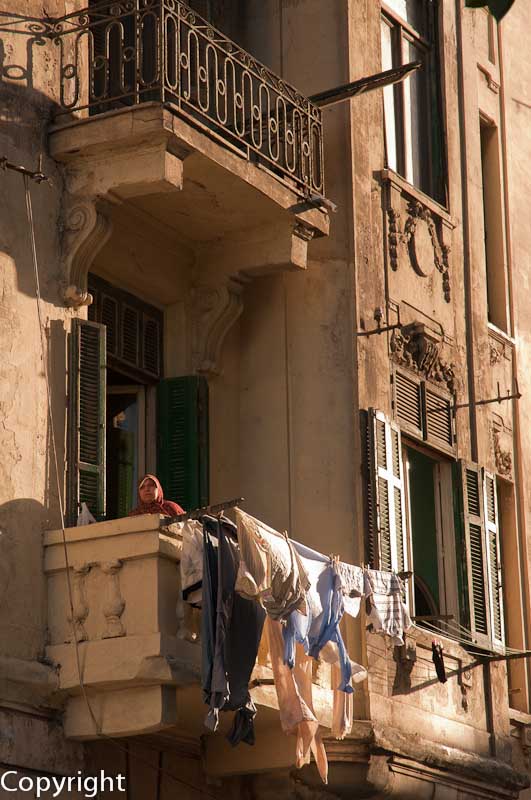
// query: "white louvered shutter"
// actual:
[[493, 559], [386, 475]]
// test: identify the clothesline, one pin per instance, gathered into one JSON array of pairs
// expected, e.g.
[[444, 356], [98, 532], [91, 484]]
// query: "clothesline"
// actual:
[[461, 635], [196, 513]]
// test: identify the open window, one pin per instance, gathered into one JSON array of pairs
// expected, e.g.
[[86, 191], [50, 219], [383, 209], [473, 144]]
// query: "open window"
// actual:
[[412, 109], [439, 520], [125, 419], [494, 227]]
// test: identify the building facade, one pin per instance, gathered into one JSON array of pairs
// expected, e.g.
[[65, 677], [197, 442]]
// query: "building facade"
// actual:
[[323, 311]]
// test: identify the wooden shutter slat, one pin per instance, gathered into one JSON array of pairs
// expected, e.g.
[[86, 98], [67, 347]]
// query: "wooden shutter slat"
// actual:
[[476, 555], [87, 389], [183, 440], [439, 423], [386, 483], [408, 402], [134, 331], [370, 489], [494, 559]]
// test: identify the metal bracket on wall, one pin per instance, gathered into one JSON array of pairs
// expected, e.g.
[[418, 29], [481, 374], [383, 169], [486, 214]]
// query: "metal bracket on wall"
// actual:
[[36, 175], [500, 398], [378, 316]]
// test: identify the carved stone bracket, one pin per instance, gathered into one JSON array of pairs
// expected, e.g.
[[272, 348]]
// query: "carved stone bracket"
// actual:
[[502, 455], [86, 230], [114, 606], [80, 609], [418, 349], [395, 236], [304, 232], [425, 249], [215, 310]]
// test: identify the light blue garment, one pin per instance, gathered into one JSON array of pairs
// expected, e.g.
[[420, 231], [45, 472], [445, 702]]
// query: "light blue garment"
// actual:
[[325, 609]]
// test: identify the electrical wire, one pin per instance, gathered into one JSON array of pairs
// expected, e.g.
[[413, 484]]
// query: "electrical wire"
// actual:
[[97, 725]]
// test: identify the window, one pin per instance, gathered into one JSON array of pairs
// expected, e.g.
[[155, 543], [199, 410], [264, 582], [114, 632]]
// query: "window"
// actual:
[[413, 121], [423, 409], [494, 229], [124, 418], [439, 520]]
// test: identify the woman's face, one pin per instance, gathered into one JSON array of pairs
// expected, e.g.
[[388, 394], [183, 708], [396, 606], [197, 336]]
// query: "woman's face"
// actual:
[[148, 491]]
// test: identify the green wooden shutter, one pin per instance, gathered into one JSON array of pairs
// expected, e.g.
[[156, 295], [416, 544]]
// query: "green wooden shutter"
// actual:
[[183, 440], [493, 559], [369, 495], [87, 389], [386, 475], [476, 556]]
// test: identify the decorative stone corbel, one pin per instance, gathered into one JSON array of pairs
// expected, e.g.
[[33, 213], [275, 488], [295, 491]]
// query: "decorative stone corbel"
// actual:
[[115, 604], [80, 607], [419, 349], [86, 231], [303, 231], [216, 309]]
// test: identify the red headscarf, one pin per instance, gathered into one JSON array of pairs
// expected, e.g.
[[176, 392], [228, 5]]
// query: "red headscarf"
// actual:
[[159, 505]]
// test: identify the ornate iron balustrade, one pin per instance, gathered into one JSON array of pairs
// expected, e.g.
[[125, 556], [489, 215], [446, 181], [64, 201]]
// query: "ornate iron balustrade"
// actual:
[[115, 54]]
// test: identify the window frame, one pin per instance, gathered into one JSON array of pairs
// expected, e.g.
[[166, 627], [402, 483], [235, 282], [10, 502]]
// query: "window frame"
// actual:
[[444, 526], [455, 514], [403, 32]]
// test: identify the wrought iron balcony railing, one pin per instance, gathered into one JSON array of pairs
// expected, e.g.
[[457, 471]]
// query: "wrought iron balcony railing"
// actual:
[[126, 52]]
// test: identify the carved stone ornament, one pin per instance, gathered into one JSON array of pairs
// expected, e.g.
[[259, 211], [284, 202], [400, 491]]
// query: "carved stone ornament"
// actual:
[[80, 607], [114, 605], [215, 310], [395, 236], [496, 354], [417, 349], [426, 251], [86, 230], [502, 458]]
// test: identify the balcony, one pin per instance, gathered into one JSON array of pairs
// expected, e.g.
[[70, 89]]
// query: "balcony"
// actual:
[[115, 55], [165, 123], [139, 652]]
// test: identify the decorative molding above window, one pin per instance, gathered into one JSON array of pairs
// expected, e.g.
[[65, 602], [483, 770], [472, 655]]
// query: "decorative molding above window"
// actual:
[[418, 349], [502, 447], [418, 232]]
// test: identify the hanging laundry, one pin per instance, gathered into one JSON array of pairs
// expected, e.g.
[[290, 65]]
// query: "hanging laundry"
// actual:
[[192, 562], [231, 632], [386, 610], [270, 570], [294, 692], [343, 707], [437, 656], [320, 624], [352, 586]]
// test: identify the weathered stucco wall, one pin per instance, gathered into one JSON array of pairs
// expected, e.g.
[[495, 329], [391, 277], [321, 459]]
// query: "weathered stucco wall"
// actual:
[[293, 377]]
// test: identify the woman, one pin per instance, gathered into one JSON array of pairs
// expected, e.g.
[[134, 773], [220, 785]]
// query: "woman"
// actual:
[[151, 499]]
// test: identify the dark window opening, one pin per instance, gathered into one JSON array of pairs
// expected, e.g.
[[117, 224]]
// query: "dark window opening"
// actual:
[[423, 527]]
